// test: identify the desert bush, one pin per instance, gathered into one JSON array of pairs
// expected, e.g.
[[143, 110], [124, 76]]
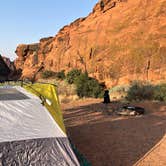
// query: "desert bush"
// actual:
[[160, 92], [140, 91], [72, 75], [85, 85], [48, 74], [88, 87], [60, 75]]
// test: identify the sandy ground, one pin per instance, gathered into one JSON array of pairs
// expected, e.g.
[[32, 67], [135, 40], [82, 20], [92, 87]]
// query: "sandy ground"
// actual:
[[156, 156], [107, 139]]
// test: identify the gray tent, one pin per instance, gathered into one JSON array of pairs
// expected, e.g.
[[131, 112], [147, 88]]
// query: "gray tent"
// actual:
[[31, 128]]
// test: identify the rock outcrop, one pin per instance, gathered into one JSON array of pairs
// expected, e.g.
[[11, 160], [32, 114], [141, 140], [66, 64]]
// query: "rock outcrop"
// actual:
[[118, 42], [8, 70], [4, 70], [9, 63]]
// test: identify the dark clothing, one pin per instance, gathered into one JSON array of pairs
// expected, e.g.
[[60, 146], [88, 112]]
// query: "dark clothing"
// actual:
[[106, 97]]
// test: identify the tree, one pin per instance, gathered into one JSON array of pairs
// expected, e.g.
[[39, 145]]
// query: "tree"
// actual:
[[72, 75], [88, 87]]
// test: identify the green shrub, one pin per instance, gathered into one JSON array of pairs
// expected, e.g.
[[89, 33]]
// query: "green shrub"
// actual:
[[160, 92], [72, 75], [48, 74], [88, 87], [143, 91], [60, 75], [140, 91], [85, 85]]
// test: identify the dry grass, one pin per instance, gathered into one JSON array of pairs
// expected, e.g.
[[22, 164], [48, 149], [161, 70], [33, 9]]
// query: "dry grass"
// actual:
[[66, 92]]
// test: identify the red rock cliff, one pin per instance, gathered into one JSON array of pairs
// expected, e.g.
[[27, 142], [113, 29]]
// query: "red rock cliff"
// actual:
[[120, 41]]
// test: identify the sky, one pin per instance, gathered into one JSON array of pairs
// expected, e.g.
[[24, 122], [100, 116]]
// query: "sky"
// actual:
[[27, 21]]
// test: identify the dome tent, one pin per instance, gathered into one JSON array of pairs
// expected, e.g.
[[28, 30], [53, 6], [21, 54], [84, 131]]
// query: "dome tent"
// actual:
[[32, 130]]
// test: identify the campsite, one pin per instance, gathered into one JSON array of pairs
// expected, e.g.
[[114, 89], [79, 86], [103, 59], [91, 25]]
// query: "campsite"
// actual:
[[114, 140], [101, 135], [83, 83]]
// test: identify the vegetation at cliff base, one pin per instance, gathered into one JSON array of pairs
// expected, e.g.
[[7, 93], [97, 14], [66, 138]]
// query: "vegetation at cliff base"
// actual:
[[88, 87], [72, 75], [140, 91], [85, 85], [160, 92], [49, 74], [145, 91]]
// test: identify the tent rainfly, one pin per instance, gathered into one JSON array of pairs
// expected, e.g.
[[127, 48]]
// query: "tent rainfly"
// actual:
[[31, 127]]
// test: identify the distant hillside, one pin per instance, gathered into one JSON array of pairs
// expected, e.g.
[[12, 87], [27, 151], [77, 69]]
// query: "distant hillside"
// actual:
[[119, 41], [4, 70], [9, 63]]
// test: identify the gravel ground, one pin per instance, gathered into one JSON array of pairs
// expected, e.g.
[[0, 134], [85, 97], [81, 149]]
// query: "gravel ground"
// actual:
[[106, 139]]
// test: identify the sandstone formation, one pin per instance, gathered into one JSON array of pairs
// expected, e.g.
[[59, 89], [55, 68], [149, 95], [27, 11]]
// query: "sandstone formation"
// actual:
[[8, 70], [9, 63], [4, 70], [118, 42]]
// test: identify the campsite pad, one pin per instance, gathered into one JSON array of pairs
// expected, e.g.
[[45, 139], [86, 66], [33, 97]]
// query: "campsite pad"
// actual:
[[117, 140], [11, 94]]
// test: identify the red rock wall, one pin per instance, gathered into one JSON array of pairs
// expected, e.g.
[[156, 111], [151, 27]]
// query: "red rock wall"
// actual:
[[121, 41]]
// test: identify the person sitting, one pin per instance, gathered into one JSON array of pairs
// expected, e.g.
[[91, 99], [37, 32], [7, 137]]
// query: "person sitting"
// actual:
[[106, 97]]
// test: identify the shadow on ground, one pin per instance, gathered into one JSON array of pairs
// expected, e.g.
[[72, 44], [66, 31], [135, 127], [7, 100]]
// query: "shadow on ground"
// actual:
[[110, 140]]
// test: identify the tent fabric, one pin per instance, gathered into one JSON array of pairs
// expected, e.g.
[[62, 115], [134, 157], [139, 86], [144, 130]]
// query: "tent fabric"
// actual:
[[48, 91], [11, 94], [29, 133], [37, 152], [26, 119]]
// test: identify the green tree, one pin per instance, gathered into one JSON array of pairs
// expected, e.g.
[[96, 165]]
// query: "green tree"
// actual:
[[88, 87], [61, 75], [48, 74], [72, 75], [160, 92]]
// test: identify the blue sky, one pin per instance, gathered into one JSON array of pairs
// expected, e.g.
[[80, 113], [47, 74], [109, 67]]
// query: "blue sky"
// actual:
[[26, 21]]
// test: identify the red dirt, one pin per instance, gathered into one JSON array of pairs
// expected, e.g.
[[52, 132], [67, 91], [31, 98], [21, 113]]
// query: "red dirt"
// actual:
[[110, 140]]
